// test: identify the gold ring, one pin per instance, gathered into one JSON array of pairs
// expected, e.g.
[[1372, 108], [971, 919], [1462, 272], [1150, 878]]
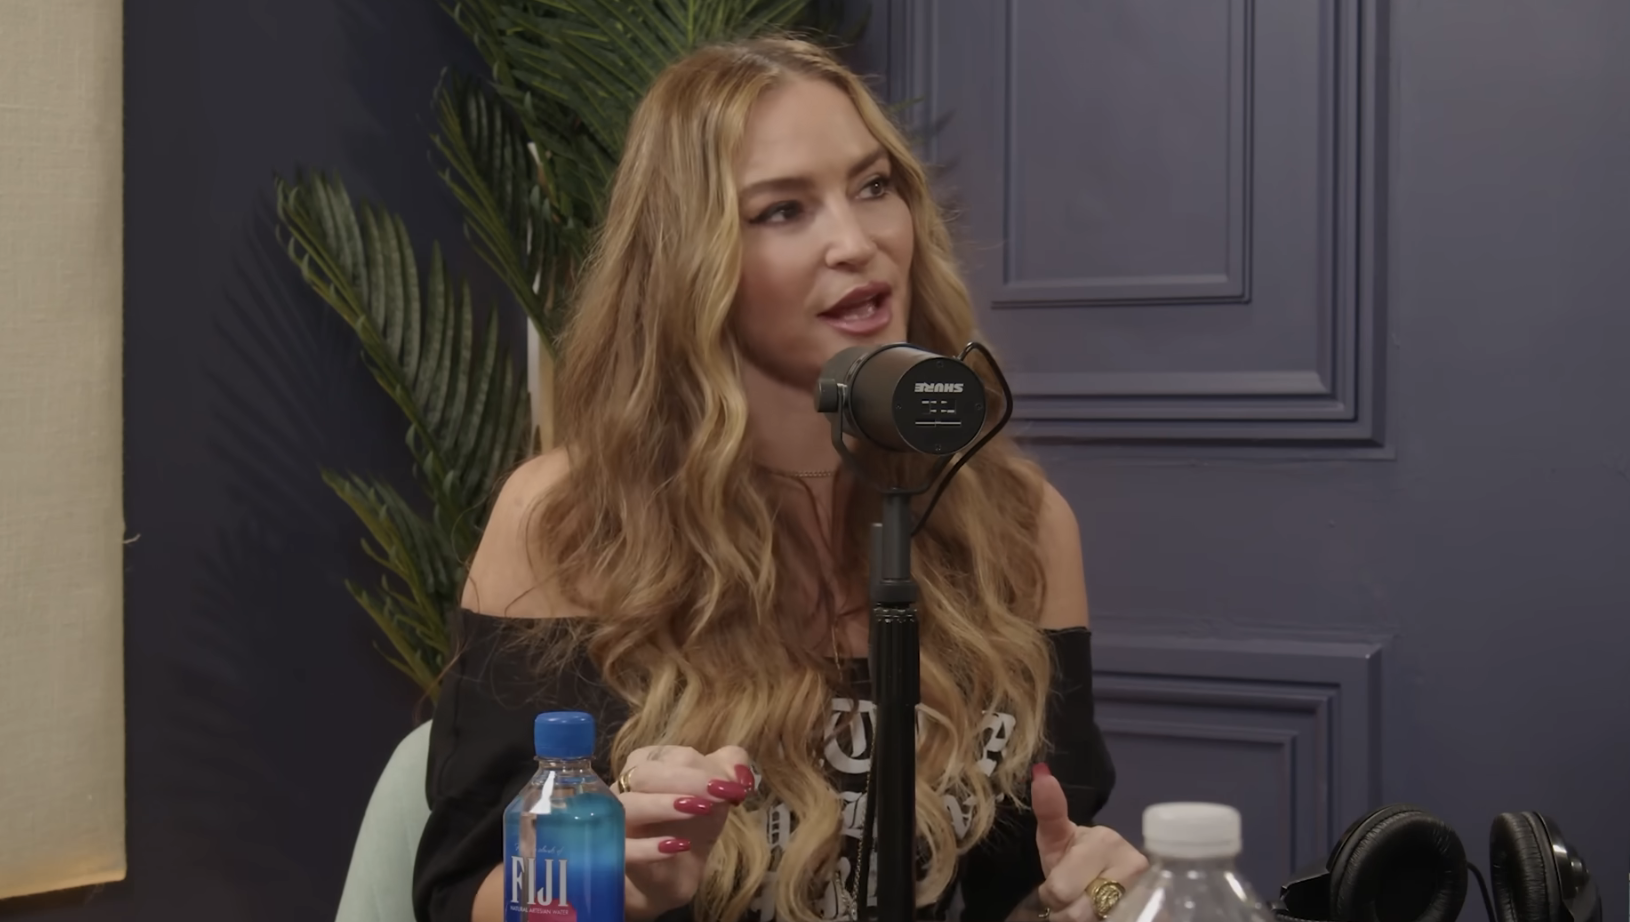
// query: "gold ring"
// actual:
[[1045, 914], [1105, 894], [624, 784]]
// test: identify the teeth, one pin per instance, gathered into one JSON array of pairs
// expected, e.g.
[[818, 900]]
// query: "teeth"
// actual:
[[860, 311]]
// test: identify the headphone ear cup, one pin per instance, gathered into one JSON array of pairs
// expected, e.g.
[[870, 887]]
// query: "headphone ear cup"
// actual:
[[1523, 875], [1400, 865]]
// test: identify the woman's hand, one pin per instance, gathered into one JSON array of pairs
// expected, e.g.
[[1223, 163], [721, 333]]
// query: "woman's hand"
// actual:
[[1072, 856], [676, 801]]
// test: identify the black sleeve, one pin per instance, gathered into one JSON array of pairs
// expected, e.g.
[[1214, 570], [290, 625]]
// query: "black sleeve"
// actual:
[[1004, 868], [481, 755]]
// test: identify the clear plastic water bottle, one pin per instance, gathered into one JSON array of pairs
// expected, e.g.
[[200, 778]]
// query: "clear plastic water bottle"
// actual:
[[563, 833], [1191, 848]]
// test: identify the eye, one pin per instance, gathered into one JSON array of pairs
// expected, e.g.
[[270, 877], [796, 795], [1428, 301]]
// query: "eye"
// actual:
[[779, 213], [878, 186]]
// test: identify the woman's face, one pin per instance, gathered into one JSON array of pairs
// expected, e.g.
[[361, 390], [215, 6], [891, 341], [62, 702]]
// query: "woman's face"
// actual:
[[826, 243]]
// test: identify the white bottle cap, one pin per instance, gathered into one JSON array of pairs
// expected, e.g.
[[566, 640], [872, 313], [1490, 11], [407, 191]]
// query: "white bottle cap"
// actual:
[[1191, 830]]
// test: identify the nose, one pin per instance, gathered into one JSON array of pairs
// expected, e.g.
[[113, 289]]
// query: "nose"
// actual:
[[851, 244]]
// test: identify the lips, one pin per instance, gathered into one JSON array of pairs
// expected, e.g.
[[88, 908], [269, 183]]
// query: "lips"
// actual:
[[865, 310], [858, 298]]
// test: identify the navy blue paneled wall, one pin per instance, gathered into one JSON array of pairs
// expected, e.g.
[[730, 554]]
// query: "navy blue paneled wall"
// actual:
[[1315, 312]]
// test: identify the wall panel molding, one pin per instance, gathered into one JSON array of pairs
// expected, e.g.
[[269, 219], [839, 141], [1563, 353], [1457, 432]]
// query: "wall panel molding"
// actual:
[[1287, 730], [1231, 284], [1265, 325]]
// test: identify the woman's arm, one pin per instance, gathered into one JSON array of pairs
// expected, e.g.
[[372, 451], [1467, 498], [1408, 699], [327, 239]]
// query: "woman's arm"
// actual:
[[481, 742], [481, 735], [489, 899], [1003, 872], [1058, 539], [481, 755]]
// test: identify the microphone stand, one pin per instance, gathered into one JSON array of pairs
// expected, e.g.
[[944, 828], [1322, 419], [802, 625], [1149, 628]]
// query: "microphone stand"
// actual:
[[893, 660]]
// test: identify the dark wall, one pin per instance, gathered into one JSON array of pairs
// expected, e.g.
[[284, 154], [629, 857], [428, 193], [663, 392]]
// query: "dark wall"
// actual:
[[1316, 309], [259, 713]]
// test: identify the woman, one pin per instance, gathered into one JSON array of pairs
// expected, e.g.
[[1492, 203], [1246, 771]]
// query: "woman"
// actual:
[[690, 567]]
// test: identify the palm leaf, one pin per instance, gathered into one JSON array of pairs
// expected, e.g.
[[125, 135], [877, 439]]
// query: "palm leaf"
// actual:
[[466, 411], [463, 409], [410, 609], [493, 173]]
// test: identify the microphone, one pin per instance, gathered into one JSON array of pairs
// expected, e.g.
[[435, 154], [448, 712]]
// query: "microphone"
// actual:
[[902, 398]]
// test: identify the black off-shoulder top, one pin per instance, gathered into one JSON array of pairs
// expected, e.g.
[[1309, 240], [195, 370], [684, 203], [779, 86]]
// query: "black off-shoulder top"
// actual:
[[481, 755]]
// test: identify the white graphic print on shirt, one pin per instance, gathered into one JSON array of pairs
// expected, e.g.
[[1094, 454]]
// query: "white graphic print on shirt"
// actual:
[[848, 755]]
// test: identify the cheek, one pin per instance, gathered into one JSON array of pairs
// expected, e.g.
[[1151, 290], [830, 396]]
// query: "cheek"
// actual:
[[891, 227], [774, 285], [896, 237]]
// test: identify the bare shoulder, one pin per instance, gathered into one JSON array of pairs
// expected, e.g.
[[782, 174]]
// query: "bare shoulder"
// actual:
[[502, 579], [1058, 535]]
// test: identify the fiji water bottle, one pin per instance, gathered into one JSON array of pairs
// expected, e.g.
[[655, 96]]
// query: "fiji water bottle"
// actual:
[[563, 833], [1191, 878]]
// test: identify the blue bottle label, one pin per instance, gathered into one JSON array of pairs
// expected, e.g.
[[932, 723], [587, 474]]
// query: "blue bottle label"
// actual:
[[540, 888], [563, 854]]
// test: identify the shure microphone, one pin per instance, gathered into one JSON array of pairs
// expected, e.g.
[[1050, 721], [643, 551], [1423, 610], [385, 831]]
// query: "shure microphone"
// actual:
[[899, 397]]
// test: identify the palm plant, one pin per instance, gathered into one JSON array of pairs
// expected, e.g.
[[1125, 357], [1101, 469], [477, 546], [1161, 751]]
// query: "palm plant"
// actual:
[[528, 152]]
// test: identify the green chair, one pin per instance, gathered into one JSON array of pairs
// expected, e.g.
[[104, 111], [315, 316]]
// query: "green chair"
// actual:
[[379, 884]]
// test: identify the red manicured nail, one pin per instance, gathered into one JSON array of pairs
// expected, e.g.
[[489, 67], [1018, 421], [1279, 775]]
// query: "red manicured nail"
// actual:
[[673, 846], [745, 776], [727, 790], [694, 805], [1040, 770]]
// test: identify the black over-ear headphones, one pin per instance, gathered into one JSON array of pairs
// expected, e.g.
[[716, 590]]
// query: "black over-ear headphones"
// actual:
[[1402, 864]]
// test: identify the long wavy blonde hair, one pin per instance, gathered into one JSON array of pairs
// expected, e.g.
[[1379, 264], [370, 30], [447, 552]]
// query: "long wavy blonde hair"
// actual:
[[678, 543]]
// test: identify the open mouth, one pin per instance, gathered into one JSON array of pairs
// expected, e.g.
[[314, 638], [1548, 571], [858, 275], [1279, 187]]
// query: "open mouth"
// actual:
[[863, 311]]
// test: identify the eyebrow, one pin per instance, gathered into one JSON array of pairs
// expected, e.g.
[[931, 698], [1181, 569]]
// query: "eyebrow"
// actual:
[[792, 183]]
